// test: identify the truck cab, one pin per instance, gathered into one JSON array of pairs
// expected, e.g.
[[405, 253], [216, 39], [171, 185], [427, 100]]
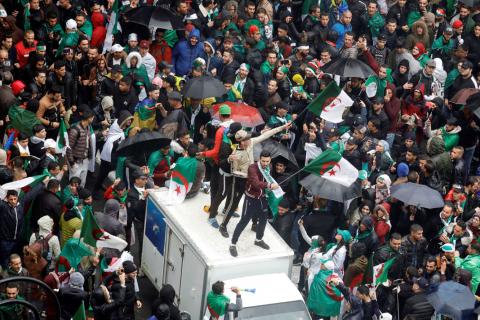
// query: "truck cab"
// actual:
[[268, 296]]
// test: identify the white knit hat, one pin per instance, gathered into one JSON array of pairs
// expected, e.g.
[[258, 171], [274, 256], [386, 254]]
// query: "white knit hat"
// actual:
[[71, 24]]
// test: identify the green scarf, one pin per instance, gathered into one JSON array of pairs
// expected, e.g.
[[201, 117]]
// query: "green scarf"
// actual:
[[120, 169], [67, 194], [363, 235], [272, 200], [217, 304], [146, 109], [375, 24], [87, 28], [121, 197]]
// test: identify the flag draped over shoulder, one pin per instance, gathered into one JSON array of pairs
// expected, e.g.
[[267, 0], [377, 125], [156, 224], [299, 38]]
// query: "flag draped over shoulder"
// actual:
[[96, 237], [324, 299], [183, 175], [62, 138], [217, 304], [80, 314], [332, 166], [380, 271], [331, 103]]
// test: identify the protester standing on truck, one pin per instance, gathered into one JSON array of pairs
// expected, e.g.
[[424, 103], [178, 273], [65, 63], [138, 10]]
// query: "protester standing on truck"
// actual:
[[219, 304], [255, 201]]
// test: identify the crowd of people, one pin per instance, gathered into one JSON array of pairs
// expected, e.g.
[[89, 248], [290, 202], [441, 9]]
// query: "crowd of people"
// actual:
[[77, 80]]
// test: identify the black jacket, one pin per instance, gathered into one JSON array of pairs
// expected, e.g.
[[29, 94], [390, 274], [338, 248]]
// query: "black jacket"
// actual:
[[69, 90], [6, 175], [70, 300], [135, 206], [12, 218], [418, 307], [414, 252], [124, 101], [103, 310], [47, 203]]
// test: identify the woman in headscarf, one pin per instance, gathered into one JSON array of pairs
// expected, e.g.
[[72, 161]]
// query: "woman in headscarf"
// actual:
[[419, 53], [133, 66], [400, 76], [382, 188]]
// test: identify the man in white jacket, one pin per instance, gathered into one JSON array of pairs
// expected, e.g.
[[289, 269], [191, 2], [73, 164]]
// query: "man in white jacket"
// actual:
[[147, 59]]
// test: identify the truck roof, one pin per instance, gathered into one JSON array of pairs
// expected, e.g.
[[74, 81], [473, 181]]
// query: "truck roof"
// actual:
[[190, 219], [269, 289]]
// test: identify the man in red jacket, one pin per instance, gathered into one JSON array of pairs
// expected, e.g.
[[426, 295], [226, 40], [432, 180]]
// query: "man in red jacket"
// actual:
[[24, 48], [255, 201]]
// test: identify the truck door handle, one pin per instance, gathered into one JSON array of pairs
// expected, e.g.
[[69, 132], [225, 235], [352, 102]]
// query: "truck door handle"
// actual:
[[170, 264]]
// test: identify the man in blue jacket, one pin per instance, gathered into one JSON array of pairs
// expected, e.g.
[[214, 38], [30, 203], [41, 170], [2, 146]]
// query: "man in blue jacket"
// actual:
[[185, 52]]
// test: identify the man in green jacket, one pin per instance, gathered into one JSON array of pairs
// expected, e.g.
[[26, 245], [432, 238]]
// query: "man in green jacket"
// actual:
[[448, 132], [375, 20], [471, 263]]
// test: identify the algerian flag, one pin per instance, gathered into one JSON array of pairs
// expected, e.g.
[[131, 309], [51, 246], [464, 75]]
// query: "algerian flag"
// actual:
[[324, 298], [62, 139], [20, 184], [96, 237], [371, 86], [380, 271], [182, 178], [80, 314], [332, 166], [72, 252], [331, 103], [113, 27], [311, 152], [217, 305]]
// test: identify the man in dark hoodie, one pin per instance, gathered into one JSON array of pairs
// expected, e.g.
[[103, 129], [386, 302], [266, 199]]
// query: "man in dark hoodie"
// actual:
[[72, 296]]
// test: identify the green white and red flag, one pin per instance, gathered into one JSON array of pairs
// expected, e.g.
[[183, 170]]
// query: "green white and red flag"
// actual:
[[332, 166], [331, 103], [97, 237]]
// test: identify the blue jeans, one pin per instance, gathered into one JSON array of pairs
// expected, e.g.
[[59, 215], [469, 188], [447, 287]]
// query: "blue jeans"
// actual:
[[6, 248]]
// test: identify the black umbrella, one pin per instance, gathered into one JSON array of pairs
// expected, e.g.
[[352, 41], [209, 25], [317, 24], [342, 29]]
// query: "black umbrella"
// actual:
[[154, 17], [204, 87], [348, 68], [327, 189], [473, 103], [276, 150], [142, 143], [453, 299], [470, 3], [418, 195]]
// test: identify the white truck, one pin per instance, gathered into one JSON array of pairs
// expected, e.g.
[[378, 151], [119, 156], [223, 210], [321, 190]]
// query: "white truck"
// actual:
[[180, 248]]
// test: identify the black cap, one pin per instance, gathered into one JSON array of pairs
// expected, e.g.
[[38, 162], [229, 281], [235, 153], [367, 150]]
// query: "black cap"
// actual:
[[467, 65], [332, 132], [116, 68], [25, 96], [352, 141], [378, 100], [234, 127], [381, 37]]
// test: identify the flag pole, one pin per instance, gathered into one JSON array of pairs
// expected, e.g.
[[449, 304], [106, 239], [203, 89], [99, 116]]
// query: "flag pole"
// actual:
[[290, 177]]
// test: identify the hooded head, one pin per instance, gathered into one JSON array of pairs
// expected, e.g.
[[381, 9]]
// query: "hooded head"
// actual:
[[112, 207], [421, 50], [130, 56], [194, 33], [402, 170], [385, 179], [210, 43], [45, 224], [76, 280], [123, 117], [367, 222]]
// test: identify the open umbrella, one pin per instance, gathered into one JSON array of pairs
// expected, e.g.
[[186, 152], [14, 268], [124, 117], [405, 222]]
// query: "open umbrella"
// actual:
[[142, 143], [473, 103], [348, 68], [204, 87], [154, 17], [454, 300], [248, 116], [418, 195], [276, 150], [462, 96], [327, 189]]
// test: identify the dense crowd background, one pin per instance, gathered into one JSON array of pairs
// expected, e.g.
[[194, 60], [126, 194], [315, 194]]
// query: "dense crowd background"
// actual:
[[87, 69]]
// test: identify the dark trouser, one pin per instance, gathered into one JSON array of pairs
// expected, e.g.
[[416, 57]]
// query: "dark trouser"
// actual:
[[6, 248], [302, 280], [250, 207], [214, 177], [225, 185], [233, 198], [102, 174], [139, 230]]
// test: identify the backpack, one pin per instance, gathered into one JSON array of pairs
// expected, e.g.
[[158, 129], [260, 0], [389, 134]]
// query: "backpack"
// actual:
[[41, 245]]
